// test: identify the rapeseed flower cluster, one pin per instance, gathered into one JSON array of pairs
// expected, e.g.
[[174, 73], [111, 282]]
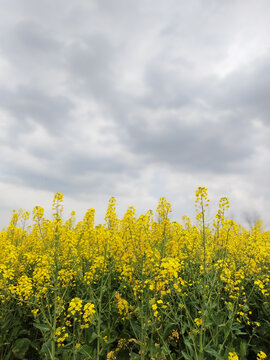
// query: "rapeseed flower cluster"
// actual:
[[61, 334], [88, 313], [122, 305], [233, 356], [261, 355], [163, 287], [75, 306]]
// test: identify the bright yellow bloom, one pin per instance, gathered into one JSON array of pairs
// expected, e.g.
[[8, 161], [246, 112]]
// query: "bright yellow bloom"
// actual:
[[233, 356], [88, 312], [54, 270], [198, 321], [261, 355], [75, 306]]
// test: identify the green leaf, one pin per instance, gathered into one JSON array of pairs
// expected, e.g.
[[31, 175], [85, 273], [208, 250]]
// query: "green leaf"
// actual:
[[93, 337], [65, 354], [42, 327], [85, 350], [21, 347], [165, 350], [108, 342], [186, 356], [214, 353], [136, 329], [239, 332], [184, 328], [55, 288], [46, 348], [189, 346], [243, 350]]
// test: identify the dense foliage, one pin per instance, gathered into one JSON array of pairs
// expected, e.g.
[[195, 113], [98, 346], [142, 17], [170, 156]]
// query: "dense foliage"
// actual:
[[134, 288]]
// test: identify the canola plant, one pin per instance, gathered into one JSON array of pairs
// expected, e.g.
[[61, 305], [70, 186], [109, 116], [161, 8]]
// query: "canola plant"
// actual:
[[140, 287]]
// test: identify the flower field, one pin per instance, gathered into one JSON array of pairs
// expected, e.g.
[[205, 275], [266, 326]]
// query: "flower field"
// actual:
[[140, 287]]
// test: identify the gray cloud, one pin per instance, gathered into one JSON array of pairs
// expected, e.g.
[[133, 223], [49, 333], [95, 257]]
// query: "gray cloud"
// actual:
[[90, 64], [32, 49], [72, 174], [246, 90], [170, 88], [117, 92], [29, 38], [29, 102], [205, 147]]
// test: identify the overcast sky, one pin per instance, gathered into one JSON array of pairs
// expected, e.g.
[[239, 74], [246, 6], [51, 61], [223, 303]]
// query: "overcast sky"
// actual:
[[137, 100]]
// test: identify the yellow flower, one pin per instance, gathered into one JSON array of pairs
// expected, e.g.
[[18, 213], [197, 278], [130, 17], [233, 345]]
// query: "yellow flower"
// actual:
[[35, 311], [88, 312], [61, 334], [261, 355], [75, 307], [122, 304], [198, 321], [233, 356]]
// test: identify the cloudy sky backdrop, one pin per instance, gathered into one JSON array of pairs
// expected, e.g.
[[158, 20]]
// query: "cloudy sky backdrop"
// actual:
[[137, 100]]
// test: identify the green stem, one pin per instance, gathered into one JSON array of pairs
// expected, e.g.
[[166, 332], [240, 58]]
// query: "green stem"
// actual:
[[54, 328]]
